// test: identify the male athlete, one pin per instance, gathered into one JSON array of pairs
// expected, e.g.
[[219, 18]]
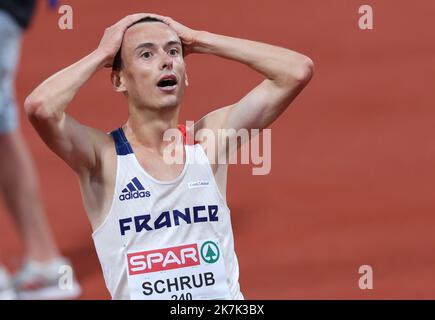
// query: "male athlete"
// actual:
[[161, 230]]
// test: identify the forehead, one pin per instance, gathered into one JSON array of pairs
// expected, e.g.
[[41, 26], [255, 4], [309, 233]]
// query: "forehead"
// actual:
[[154, 32]]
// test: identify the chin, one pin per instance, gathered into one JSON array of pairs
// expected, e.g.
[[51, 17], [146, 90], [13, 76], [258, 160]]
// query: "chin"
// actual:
[[169, 103]]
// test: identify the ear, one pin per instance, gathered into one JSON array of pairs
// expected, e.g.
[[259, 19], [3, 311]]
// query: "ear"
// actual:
[[117, 81], [186, 79]]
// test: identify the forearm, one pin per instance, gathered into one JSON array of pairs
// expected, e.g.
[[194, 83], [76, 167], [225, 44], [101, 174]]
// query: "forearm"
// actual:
[[275, 63], [53, 95]]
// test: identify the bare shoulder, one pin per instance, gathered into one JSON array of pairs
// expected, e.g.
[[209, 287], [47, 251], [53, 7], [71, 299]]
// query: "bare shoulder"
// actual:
[[214, 120], [207, 130], [206, 133]]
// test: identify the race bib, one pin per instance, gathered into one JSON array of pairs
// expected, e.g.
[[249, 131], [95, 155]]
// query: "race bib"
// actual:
[[184, 272]]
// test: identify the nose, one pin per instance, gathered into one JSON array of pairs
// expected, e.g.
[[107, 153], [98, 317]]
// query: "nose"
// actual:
[[166, 63]]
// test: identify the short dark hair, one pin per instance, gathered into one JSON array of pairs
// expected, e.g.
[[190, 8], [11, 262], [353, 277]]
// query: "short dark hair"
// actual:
[[117, 61]]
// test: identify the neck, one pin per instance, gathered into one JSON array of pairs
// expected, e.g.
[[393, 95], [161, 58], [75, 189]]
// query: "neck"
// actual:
[[147, 126]]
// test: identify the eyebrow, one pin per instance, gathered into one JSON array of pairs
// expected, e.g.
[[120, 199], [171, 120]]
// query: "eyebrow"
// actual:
[[151, 45]]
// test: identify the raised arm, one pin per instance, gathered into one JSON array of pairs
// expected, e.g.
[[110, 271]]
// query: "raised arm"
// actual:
[[45, 107], [286, 73]]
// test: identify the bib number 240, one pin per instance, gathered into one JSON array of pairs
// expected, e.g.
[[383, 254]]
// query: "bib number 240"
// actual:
[[183, 296]]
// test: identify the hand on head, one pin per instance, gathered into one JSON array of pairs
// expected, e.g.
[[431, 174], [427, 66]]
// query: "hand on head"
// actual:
[[187, 35], [112, 39], [113, 35]]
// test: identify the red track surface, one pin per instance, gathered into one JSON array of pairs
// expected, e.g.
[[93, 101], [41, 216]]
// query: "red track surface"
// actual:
[[353, 172]]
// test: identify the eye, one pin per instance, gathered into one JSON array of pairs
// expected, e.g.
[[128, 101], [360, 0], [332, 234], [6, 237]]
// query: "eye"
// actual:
[[146, 54], [173, 51]]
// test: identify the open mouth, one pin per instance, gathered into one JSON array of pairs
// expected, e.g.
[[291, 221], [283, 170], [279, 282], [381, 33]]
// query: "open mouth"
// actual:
[[167, 83]]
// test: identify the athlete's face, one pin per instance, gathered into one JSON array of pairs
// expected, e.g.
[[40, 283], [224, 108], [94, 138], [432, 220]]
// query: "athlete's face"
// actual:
[[153, 72]]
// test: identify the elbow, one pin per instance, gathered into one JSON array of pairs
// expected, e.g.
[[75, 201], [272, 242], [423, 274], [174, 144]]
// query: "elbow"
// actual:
[[299, 73], [304, 72], [35, 108]]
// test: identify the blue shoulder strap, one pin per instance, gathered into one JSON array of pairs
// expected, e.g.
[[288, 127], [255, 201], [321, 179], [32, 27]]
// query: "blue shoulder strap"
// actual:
[[121, 144]]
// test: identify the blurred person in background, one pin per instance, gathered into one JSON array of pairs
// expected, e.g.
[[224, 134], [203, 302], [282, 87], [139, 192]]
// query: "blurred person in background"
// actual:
[[38, 277]]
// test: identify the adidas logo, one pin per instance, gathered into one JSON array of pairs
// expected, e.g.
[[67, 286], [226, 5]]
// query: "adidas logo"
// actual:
[[134, 190]]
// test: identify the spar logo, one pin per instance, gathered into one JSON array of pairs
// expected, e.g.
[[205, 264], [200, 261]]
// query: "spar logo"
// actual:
[[210, 252], [163, 259]]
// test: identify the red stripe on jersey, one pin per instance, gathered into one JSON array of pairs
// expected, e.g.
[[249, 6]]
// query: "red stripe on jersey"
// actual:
[[186, 141]]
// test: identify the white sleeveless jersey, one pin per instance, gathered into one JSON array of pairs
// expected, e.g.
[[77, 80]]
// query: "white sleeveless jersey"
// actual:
[[167, 239]]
